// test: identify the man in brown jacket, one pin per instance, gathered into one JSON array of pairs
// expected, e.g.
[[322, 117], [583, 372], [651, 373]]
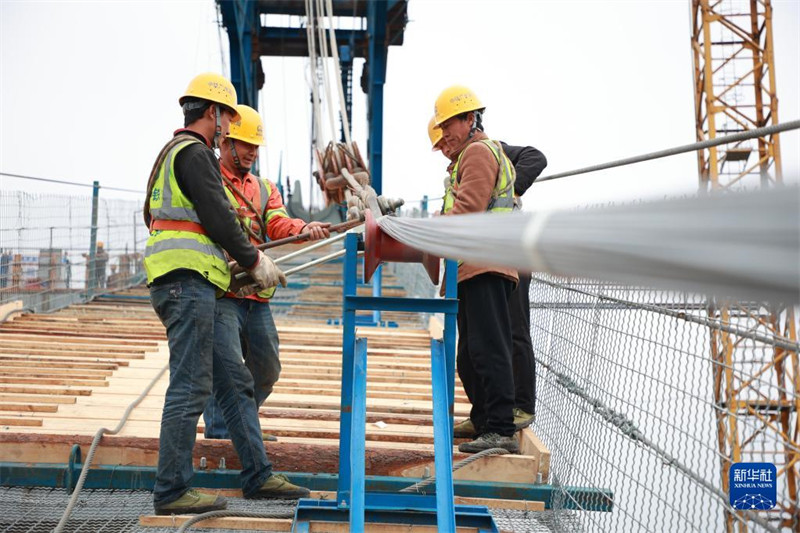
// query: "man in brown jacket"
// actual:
[[481, 180], [528, 165]]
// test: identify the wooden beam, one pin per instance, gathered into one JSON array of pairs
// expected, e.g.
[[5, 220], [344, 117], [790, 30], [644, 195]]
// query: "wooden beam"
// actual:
[[530, 444]]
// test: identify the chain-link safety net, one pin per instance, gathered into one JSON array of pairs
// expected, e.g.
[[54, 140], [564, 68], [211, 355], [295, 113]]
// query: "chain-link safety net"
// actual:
[[655, 394], [48, 259]]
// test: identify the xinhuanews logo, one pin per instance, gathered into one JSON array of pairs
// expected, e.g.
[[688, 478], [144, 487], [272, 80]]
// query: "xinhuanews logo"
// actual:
[[753, 486]]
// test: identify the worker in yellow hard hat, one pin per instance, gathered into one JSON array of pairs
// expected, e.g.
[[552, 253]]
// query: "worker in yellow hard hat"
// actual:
[[528, 164], [437, 139], [250, 328], [481, 180], [192, 227]]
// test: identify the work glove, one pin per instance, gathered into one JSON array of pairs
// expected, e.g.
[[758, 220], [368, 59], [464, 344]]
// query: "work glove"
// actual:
[[266, 273], [318, 230]]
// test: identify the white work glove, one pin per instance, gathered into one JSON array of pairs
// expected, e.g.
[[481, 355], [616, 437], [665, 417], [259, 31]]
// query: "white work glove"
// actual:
[[266, 273]]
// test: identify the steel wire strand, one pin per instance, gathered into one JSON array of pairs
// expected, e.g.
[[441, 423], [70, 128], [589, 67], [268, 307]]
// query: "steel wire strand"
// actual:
[[96, 441], [238, 514], [461, 464], [747, 248]]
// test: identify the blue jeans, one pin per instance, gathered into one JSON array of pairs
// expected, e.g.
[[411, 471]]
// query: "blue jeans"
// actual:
[[255, 330], [186, 304]]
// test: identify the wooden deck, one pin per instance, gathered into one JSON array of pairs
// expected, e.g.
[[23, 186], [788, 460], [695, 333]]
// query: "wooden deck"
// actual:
[[67, 374]]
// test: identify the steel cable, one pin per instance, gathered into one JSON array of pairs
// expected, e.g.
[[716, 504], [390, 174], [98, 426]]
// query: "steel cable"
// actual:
[[90, 454], [736, 137]]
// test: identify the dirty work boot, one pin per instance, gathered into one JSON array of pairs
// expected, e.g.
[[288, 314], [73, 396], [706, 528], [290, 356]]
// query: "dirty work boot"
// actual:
[[490, 440], [278, 487], [464, 430], [193, 502], [522, 419], [269, 438]]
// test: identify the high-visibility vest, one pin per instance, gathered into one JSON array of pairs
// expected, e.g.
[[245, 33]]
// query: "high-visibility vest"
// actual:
[[258, 222], [184, 244], [502, 200]]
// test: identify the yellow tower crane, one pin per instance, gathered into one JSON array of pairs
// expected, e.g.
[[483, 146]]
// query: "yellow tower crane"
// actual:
[[756, 384]]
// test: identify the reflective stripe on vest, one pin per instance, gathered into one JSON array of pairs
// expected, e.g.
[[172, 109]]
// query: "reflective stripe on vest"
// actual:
[[502, 200], [264, 190], [169, 250]]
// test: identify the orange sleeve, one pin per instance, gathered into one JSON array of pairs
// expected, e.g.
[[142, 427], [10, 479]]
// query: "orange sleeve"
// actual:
[[279, 225]]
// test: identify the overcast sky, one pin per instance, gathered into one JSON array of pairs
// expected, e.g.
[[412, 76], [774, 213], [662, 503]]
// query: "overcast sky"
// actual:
[[88, 91]]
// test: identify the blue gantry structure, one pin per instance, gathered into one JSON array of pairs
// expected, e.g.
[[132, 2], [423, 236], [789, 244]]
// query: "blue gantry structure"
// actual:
[[381, 24]]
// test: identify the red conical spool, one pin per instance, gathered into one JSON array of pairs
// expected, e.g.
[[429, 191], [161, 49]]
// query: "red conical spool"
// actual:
[[379, 247]]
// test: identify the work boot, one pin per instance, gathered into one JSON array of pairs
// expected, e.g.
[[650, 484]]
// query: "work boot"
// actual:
[[464, 430], [193, 502], [278, 487], [269, 438], [490, 440], [522, 419]]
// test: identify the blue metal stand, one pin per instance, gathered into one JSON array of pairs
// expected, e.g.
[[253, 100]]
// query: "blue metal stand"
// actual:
[[353, 503]]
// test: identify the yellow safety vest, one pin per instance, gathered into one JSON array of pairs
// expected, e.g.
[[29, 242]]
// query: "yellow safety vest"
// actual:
[[169, 250], [503, 193], [265, 190]]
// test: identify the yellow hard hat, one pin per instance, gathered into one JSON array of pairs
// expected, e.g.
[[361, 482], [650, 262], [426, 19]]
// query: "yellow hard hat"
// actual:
[[99, 244], [212, 87], [434, 133], [454, 101], [248, 127]]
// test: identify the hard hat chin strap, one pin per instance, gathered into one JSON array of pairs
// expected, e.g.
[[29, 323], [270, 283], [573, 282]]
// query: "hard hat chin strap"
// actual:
[[218, 129], [476, 121], [236, 160]]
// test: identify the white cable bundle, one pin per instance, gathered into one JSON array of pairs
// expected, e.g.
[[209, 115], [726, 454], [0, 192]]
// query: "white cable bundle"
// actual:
[[743, 246]]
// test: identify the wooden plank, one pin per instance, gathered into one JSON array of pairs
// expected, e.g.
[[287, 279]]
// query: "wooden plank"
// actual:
[[23, 389], [518, 505], [500, 468], [530, 444], [11, 421], [287, 455], [28, 407], [54, 381], [36, 398], [229, 522]]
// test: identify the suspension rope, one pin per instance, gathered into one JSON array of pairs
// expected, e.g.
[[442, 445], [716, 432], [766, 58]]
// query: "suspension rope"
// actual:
[[736, 137], [310, 24], [338, 67], [325, 55]]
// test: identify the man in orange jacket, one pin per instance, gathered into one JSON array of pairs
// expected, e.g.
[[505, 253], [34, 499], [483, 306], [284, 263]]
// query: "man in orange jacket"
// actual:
[[262, 215]]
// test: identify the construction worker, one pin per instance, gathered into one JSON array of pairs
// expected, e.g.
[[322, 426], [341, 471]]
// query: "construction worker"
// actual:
[[100, 264], [191, 223], [249, 326], [481, 180], [528, 164]]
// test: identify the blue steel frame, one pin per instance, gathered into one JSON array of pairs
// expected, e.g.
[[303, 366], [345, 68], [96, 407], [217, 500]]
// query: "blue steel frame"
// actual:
[[240, 17], [353, 501], [117, 477]]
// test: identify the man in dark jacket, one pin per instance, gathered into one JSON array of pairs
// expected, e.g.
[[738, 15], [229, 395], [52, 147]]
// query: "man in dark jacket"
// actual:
[[529, 164], [191, 222]]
